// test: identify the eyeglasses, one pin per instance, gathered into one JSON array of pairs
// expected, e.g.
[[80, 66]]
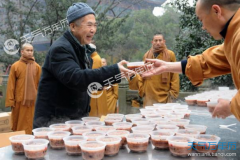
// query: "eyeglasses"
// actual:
[[90, 24]]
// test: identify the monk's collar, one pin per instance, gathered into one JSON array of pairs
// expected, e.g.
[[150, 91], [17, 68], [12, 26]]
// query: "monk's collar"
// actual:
[[156, 54], [224, 31]]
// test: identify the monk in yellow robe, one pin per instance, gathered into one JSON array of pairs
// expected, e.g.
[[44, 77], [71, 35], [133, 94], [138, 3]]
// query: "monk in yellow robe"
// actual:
[[98, 105], [22, 90], [159, 88], [112, 94]]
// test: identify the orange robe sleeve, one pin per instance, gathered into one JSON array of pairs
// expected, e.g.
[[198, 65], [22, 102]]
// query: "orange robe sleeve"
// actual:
[[235, 102], [11, 87], [211, 63]]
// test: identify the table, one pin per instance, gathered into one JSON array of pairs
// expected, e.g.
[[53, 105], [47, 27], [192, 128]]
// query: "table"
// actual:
[[199, 115]]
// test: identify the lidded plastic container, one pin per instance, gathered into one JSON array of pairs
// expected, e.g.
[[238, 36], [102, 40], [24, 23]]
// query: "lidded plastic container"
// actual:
[[60, 127], [35, 148], [41, 133], [72, 144], [113, 144], [92, 150], [56, 139], [180, 146], [17, 141]]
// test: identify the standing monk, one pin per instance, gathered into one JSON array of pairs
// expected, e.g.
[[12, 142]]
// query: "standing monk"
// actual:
[[22, 90], [98, 104], [161, 88], [112, 94]]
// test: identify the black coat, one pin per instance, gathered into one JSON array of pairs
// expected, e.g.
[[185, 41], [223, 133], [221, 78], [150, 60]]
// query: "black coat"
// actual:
[[62, 90]]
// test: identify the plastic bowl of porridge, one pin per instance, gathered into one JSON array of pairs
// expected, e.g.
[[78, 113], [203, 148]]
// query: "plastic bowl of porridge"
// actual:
[[35, 148], [123, 126], [185, 112], [201, 128], [129, 117], [88, 119], [159, 121], [120, 133], [56, 139], [177, 115], [142, 129], [191, 101], [110, 120], [202, 102], [149, 124], [211, 106], [74, 123], [169, 128], [138, 142], [79, 130], [151, 114], [92, 150], [72, 144], [60, 127], [160, 138], [180, 107], [41, 133], [17, 141], [136, 120], [165, 108], [115, 115], [206, 143], [136, 66], [113, 144], [154, 108], [145, 110], [163, 113], [91, 136], [187, 133], [94, 124], [105, 129], [180, 146], [179, 122]]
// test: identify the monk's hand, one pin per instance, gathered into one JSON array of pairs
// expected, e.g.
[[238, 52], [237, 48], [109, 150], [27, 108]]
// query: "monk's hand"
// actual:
[[222, 109], [154, 67], [125, 73]]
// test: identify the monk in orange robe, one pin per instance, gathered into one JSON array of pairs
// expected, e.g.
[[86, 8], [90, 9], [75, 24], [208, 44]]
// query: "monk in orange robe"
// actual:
[[161, 88], [98, 105], [112, 94], [22, 90]]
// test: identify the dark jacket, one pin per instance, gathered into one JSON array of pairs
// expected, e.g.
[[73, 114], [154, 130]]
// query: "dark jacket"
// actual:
[[62, 90]]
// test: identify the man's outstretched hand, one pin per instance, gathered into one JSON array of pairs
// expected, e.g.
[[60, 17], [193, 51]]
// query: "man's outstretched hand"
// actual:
[[154, 67], [124, 71]]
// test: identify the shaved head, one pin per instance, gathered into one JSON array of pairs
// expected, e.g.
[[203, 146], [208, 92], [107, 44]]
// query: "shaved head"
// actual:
[[27, 50], [228, 4], [26, 45], [104, 62]]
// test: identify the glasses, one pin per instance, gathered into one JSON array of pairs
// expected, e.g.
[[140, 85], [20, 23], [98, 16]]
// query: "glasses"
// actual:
[[90, 25]]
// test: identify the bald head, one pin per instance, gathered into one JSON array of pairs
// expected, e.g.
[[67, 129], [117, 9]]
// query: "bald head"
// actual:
[[26, 45], [104, 62], [232, 5], [27, 50]]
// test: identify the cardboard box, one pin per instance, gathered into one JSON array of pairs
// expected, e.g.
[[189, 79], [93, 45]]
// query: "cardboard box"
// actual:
[[4, 138], [5, 121]]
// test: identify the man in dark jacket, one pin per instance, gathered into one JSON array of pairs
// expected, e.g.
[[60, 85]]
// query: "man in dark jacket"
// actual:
[[67, 73]]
